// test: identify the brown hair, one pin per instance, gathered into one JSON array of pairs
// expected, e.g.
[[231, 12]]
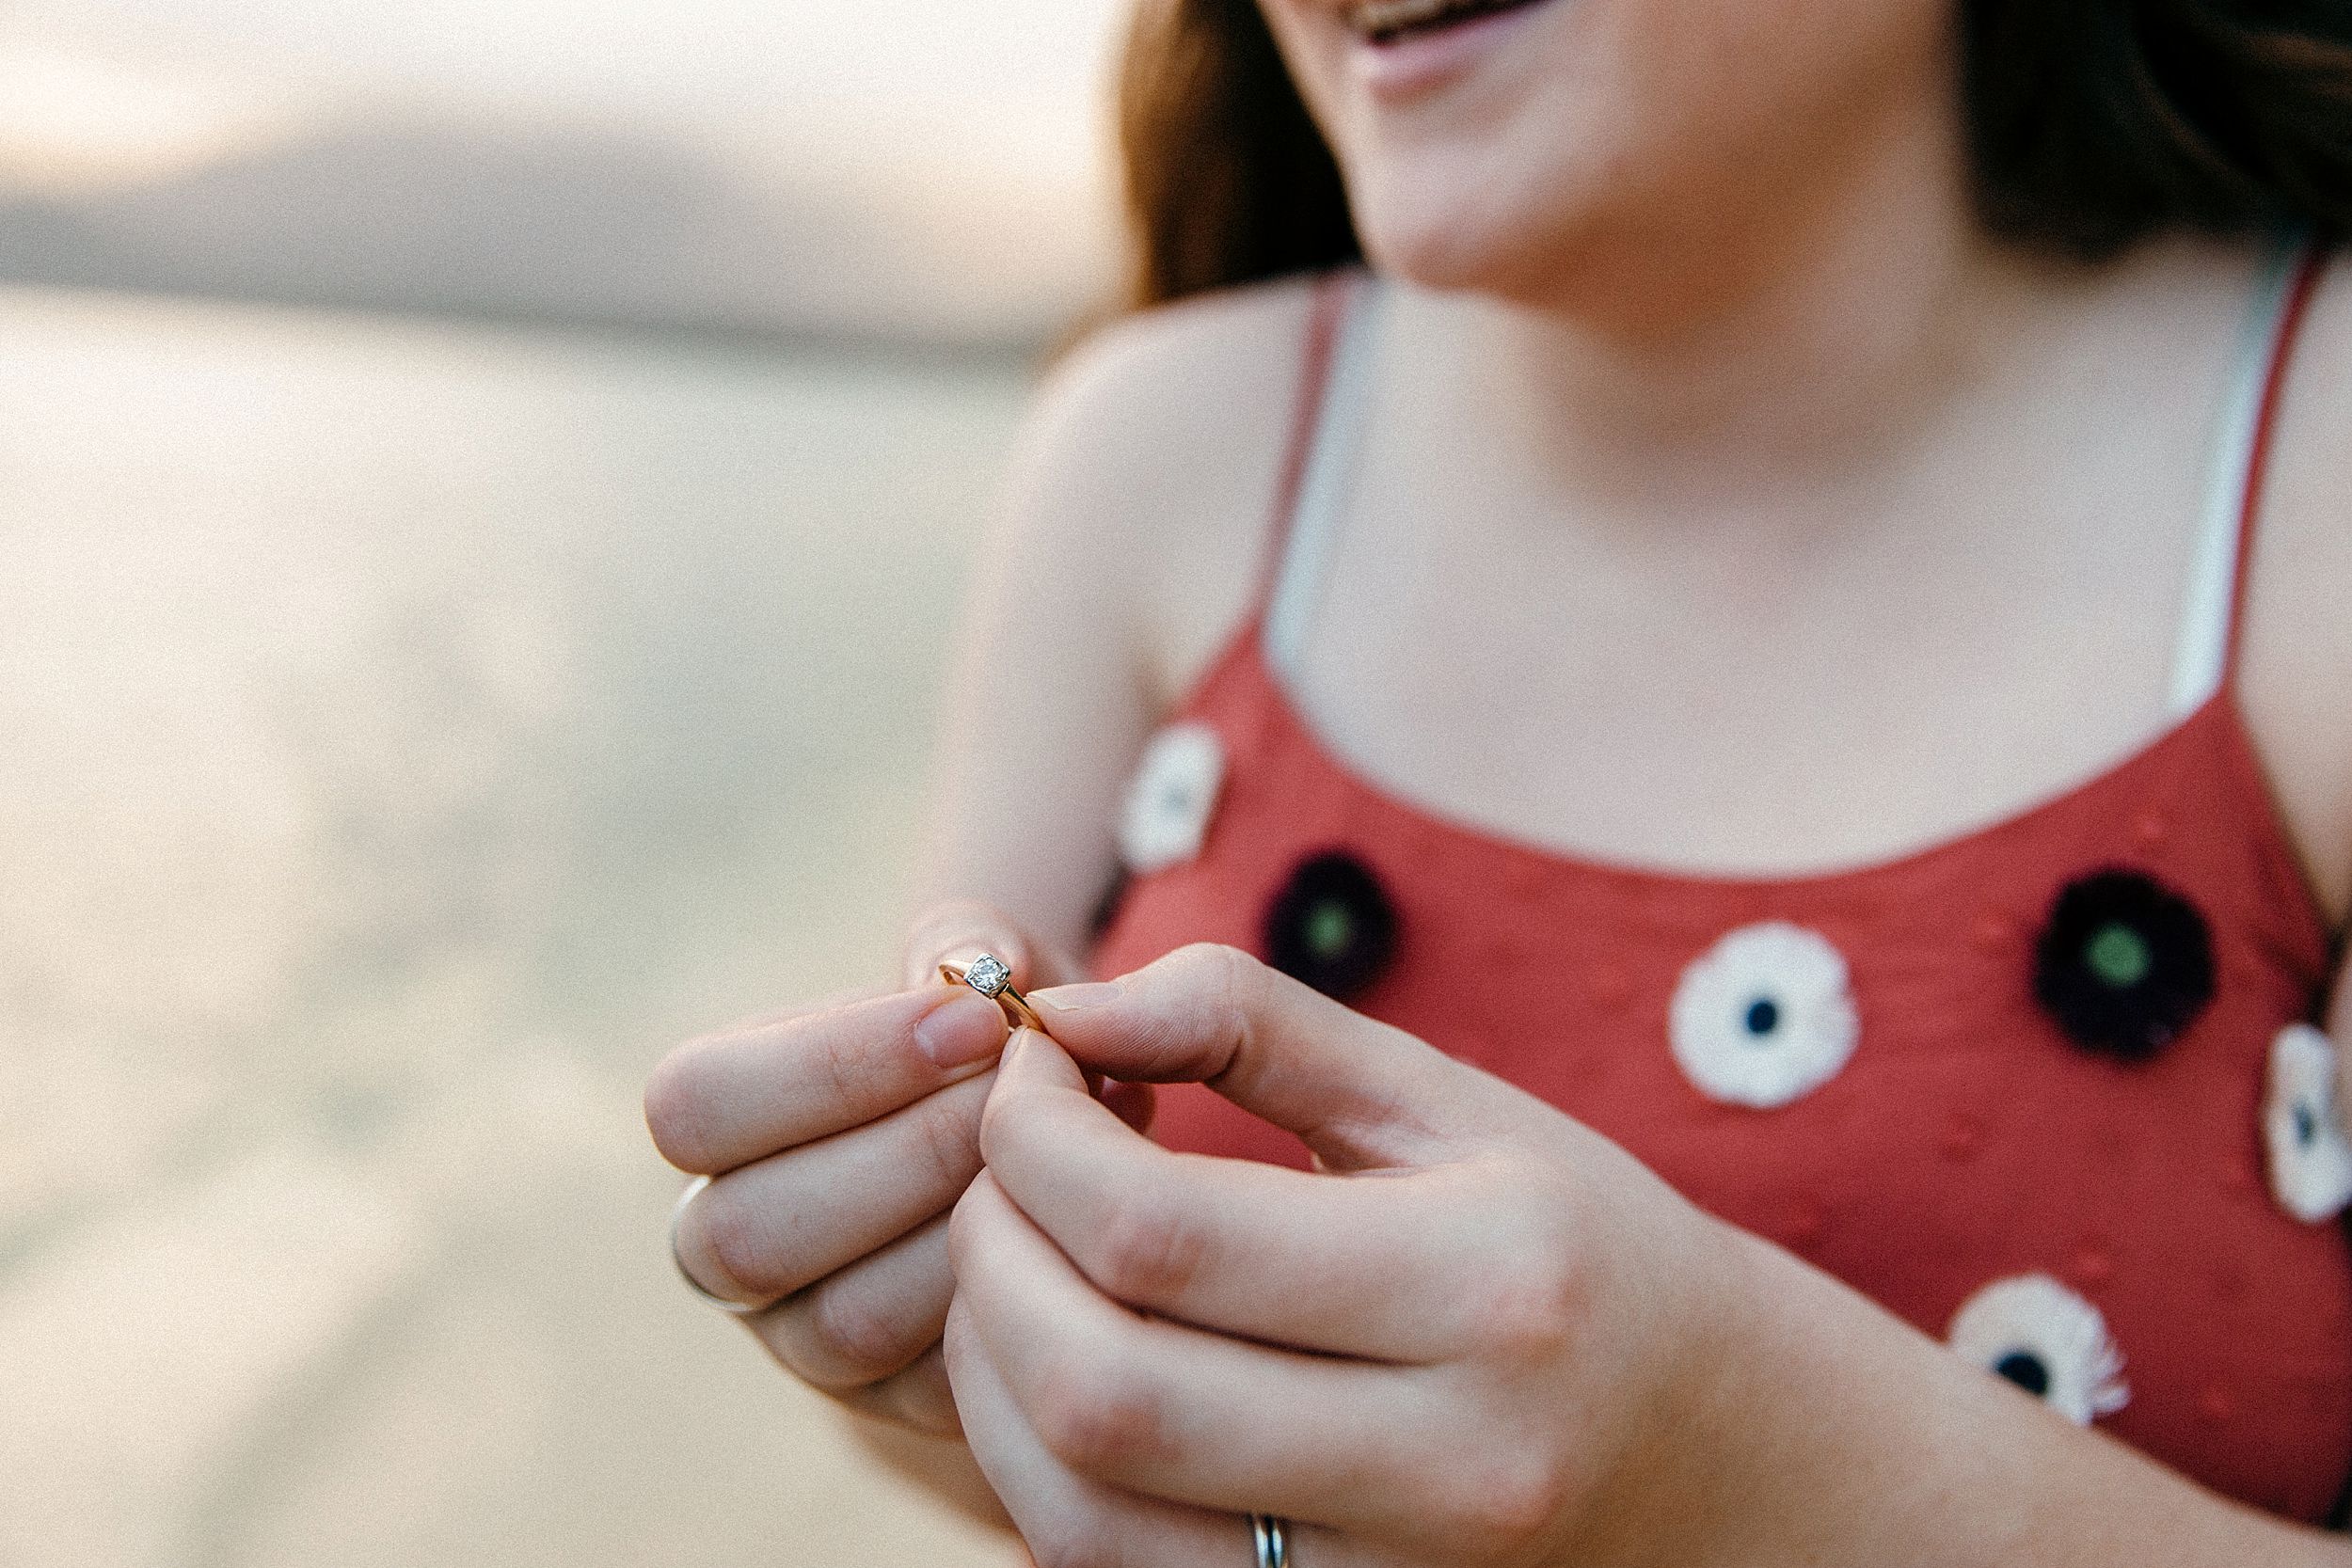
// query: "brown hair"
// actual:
[[2092, 123]]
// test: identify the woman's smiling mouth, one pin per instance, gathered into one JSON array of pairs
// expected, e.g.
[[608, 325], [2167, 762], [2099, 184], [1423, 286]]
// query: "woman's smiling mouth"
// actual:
[[1382, 21], [1406, 47]]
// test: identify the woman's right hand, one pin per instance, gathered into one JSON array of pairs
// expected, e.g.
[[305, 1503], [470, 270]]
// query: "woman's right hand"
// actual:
[[837, 1141]]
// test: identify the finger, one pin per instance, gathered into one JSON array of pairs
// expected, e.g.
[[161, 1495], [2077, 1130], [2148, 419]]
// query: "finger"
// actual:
[[727, 1099], [961, 930], [1151, 1406], [918, 1399], [1068, 1520], [761, 1232], [1357, 1267], [1359, 1092], [868, 1320]]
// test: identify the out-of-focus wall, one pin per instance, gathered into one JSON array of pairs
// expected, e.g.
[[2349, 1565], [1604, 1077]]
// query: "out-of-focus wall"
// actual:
[[416, 722]]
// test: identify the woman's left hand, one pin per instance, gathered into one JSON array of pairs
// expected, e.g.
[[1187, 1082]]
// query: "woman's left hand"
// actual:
[[1479, 1333]]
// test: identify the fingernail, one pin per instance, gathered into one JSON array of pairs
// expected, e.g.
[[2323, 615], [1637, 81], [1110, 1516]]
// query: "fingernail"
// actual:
[[1071, 999], [960, 1031]]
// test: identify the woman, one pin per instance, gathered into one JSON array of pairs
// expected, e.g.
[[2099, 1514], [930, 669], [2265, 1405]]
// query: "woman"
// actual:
[[1771, 807]]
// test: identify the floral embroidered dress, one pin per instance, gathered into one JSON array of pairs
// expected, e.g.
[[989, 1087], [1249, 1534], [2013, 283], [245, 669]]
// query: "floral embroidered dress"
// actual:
[[2048, 1090]]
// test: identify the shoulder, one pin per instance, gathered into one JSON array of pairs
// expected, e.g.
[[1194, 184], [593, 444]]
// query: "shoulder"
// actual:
[[2296, 678], [1160, 363], [1152, 453]]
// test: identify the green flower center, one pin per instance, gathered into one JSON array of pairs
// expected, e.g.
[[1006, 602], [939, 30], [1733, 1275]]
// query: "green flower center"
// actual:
[[1329, 930], [2118, 956]]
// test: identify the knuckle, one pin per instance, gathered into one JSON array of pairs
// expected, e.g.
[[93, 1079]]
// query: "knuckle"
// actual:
[[1221, 985], [1502, 1502], [1526, 1498], [842, 1065], [1215, 969], [1101, 1419], [1149, 1252], [1529, 1307]]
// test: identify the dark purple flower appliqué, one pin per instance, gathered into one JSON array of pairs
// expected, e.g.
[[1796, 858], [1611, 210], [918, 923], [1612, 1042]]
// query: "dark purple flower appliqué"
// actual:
[[2125, 964], [1331, 925]]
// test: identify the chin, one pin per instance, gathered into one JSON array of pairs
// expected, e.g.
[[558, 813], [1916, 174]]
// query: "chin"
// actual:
[[1596, 151], [1461, 236], [1457, 258]]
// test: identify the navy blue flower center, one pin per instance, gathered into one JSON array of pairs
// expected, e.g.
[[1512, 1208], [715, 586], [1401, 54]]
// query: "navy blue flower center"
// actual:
[[1763, 1017], [2025, 1370], [2306, 1125]]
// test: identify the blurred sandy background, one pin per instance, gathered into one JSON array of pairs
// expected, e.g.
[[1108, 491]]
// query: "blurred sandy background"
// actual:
[[481, 488]]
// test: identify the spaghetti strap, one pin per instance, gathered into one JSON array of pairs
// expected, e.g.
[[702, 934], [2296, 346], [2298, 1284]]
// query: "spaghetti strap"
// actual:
[[2206, 658], [1324, 310], [1320, 473], [2292, 310]]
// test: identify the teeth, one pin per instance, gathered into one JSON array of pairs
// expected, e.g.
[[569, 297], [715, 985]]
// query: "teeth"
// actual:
[[1375, 17]]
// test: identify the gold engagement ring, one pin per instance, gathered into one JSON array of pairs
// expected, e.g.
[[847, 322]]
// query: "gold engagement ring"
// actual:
[[992, 978]]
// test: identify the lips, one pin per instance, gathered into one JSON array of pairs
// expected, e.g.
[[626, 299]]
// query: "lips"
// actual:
[[1386, 21]]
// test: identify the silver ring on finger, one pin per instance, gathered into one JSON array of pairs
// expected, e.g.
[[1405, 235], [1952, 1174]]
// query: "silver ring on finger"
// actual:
[[741, 1309], [1273, 1538]]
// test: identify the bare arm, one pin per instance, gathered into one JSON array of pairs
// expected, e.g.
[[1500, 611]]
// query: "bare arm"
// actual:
[[1131, 525], [1045, 701], [1119, 551]]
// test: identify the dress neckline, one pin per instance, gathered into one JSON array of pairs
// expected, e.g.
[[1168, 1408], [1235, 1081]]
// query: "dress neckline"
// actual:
[[2218, 725], [1317, 470]]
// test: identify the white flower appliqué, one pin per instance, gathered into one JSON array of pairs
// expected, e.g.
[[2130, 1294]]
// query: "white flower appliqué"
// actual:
[[2310, 1160], [2047, 1341], [1764, 1017], [1171, 800]]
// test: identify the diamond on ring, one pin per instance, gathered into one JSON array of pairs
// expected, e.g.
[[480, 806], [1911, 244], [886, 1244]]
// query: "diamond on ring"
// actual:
[[992, 978], [989, 976]]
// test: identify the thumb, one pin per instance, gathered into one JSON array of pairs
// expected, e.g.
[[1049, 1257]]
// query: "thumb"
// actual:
[[961, 930], [1360, 1093]]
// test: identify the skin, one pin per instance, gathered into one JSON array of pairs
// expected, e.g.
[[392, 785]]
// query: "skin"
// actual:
[[1478, 1334], [1719, 437]]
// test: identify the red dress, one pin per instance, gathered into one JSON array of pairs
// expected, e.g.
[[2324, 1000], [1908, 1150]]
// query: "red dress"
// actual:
[[2046, 1090]]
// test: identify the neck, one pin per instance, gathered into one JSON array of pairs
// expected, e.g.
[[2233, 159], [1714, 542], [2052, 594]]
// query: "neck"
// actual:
[[1789, 325]]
